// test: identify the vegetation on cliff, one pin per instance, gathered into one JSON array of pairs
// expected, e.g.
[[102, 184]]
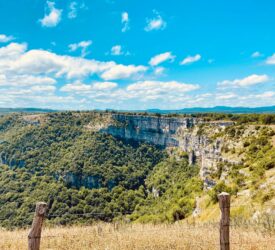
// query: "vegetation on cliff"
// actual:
[[61, 159]]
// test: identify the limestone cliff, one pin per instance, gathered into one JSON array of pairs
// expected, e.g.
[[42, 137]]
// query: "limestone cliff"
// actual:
[[183, 133]]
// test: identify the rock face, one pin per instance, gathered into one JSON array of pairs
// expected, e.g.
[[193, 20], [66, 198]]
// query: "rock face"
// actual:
[[160, 131], [78, 181], [173, 132]]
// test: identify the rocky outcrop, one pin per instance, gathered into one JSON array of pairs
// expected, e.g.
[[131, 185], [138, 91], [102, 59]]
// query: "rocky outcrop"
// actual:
[[82, 180], [12, 162], [160, 131], [173, 132]]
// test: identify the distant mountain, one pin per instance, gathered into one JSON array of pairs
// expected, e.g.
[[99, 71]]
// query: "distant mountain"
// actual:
[[24, 110], [217, 109]]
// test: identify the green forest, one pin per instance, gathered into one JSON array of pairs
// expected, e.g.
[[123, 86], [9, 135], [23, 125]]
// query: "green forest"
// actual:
[[85, 175]]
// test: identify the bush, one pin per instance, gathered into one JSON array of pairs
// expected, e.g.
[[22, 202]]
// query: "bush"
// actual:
[[219, 188]]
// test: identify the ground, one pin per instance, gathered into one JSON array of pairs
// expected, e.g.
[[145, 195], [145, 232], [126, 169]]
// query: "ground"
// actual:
[[140, 237]]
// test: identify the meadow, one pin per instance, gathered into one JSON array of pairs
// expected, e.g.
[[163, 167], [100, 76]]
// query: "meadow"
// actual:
[[113, 236]]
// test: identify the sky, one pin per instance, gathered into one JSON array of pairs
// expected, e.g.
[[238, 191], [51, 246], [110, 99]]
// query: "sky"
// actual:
[[129, 54]]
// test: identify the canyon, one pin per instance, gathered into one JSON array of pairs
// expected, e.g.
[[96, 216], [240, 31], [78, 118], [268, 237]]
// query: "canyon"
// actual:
[[183, 133]]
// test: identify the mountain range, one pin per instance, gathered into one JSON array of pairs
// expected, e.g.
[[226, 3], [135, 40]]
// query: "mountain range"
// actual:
[[217, 109]]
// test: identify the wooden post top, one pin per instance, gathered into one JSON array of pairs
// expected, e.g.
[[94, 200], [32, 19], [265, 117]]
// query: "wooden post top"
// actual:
[[41, 208], [224, 200], [223, 194]]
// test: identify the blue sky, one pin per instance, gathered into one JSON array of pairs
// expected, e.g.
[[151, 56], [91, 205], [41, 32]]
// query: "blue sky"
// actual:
[[126, 54]]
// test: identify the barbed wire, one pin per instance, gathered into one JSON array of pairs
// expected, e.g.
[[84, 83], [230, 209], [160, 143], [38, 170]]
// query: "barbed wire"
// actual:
[[49, 215], [91, 213], [133, 212]]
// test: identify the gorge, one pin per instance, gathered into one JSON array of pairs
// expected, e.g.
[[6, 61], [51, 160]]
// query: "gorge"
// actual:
[[175, 132]]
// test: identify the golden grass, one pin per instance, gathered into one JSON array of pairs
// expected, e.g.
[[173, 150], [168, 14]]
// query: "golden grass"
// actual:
[[127, 237]]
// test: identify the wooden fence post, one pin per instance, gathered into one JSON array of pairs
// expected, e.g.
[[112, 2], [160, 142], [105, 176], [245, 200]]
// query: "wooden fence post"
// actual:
[[35, 232], [224, 202]]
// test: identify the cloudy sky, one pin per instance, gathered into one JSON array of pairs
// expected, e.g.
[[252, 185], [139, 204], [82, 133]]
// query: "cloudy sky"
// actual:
[[126, 54]]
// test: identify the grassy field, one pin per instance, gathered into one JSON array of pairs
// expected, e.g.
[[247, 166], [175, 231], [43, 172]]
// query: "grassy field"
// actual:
[[136, 236]]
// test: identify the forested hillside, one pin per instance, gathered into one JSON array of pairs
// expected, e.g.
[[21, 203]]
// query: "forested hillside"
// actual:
[[59, 159]]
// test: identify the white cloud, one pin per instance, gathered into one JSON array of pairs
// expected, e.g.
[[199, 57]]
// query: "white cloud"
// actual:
[[225, 96], [244, 82], [14, 58], [116, 50], [156, 23], [79, 87], [53, 17], [152, 90], [120, 71], [156, 60], [45, 62], [25, 80], [74, 7], [256, 54], [73, 10], [76, 87], [190, 59], [83, 46], [29, 78], [125, 21], [267, 94], [43, 88], [142, 91], [159, 70], [12, 51], [271, 59], [104, 85], [5, 38]]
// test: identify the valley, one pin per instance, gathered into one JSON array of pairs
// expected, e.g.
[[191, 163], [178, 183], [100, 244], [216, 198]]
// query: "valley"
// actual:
[[143, 167]]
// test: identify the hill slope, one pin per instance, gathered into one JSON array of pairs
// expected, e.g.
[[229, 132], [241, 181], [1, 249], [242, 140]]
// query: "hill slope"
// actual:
[[70, 161]]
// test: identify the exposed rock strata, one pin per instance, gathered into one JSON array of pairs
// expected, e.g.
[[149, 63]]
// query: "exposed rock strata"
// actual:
[[173, 132]]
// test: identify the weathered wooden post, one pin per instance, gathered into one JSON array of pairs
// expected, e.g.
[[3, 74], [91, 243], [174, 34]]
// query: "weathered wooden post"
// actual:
[[35, 233], [224, 202]]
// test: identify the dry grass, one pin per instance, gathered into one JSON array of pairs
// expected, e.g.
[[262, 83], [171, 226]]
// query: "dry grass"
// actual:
[[149, 237]]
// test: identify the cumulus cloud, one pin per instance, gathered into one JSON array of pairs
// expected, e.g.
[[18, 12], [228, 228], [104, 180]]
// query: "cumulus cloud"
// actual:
[[170, 91], [4, 38], [120, 71], [43, 89], [158, 59], [14, 58], [52, 17], [125, 21], [116, 50], [25, 80], [142, 91], [79, 87], [104, 85], [244, 82], [12, 51], [271, 59], [83, 46], [160, 87], [29, 77], [76, 87], [190, 59], [155, 23]]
